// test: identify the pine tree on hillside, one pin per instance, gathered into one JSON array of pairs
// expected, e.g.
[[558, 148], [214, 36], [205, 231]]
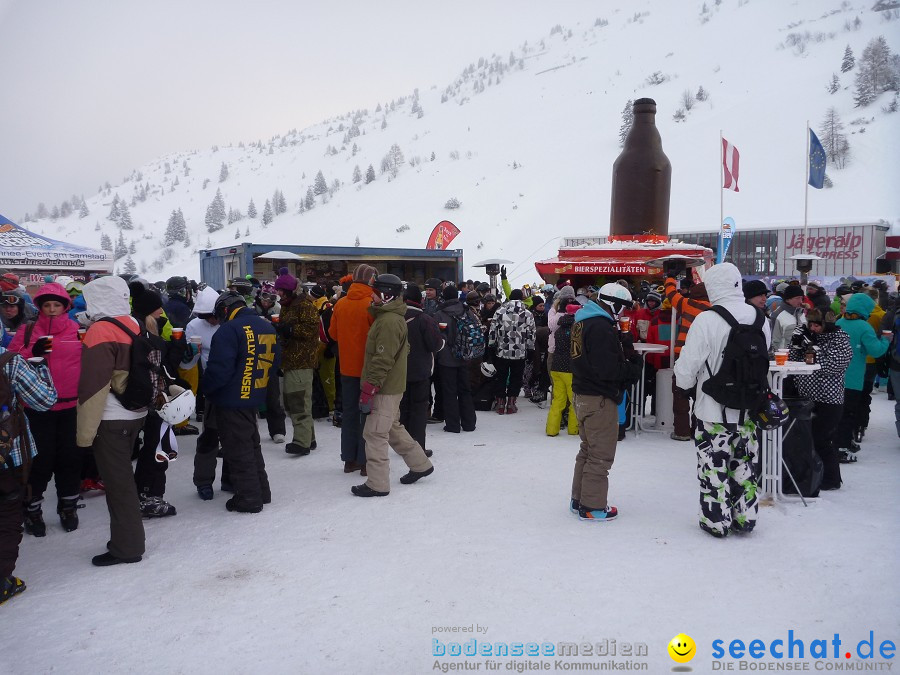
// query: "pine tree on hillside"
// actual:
[[114, 210], [279, 203], [42, 211], [65, 209], [357, 174], [237, 233], [837, 148], [230, 216], [835, 84], [121, 249], [130, 267], [876, 73], [310, 201], [267, 216], [172, 230], [849, 61], [247, 231], [132, 248], [187, 240], [215, 213], [125, 217], [370, 174], [223, 173], [83, 212], [106, 242], [54, 214], [627, 121], [251, 210], [320, 187], [356, 243]]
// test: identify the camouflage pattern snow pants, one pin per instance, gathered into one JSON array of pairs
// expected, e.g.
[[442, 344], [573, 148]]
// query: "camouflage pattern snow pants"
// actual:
[[726, 456]]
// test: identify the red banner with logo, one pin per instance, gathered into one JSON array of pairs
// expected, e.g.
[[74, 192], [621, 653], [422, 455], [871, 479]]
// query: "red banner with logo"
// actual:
[[442, 234]]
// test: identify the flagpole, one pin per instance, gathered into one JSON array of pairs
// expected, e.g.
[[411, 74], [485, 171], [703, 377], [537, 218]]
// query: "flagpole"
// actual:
[[806, 195], [721, 182]]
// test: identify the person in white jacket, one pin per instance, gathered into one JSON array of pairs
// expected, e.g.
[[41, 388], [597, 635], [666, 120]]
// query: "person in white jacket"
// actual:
[[726, 439]]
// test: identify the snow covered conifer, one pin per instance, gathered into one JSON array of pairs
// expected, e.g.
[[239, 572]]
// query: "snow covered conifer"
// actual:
[[267, 216], [837, 148], [310, 201], [357, 174], [130, 267], [83, 212], [370, 174], [251, 210], [627, 121], [223, 173], [106, 242], [849, 60], [121, 249], [320, 187]]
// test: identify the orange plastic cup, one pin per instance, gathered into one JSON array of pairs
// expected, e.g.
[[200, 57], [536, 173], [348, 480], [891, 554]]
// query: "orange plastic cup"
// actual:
[[624, 323], [781, 358], [276, 318]]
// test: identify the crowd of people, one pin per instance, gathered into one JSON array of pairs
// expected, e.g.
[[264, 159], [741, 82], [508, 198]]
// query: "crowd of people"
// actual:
[[100, 378]]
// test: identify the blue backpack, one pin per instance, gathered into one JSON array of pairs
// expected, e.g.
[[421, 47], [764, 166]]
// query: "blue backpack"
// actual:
[[469, 342]]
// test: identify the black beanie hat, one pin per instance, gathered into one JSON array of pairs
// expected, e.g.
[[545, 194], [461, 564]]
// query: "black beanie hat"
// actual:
[[792, 292], [754, 288], [144, 301], [516, 294], [450, 293], [317, 291], [434, 283], [413, 293]]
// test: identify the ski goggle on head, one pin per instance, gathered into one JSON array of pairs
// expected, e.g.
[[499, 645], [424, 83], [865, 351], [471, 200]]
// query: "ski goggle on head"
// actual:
[[10, 299]]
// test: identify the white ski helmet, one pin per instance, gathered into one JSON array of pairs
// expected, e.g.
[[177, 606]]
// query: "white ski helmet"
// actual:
[[616, 296], [488, 369], [179, 406]]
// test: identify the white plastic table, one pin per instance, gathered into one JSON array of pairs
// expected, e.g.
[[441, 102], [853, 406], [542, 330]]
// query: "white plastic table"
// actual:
[[638, 396], [771, 485]]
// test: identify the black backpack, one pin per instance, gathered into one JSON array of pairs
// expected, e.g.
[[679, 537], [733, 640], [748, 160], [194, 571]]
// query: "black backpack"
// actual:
[[741, 383], [146, 377]]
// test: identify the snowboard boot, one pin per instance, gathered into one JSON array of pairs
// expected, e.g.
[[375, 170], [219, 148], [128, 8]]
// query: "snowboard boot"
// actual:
[[34, 518], [205, 492], [574, 506], [601, 515], [501, 405], [413, 476], [67, 508], [156, 507], [238, 505], [296, 449], [511, 408], [9, 587]]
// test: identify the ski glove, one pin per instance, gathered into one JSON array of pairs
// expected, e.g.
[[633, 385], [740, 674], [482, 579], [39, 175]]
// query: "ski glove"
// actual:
[[41, 347], [503, 271], [283, 330], [366, 394]]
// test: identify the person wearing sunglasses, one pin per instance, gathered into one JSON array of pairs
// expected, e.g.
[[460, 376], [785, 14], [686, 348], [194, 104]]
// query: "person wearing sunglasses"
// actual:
[[15, 312]]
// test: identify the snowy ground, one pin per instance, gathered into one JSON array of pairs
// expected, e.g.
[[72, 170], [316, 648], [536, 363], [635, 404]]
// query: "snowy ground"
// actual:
[[323, 582]]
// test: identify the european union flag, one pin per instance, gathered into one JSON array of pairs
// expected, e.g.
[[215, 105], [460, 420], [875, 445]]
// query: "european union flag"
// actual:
[[816, 161]]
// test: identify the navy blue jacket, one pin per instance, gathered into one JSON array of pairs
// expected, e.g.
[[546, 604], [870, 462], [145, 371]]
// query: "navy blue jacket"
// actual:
[[243, 356], [178, 311]]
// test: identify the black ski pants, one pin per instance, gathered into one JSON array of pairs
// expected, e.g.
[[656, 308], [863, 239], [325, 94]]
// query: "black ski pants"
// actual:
[[414, 409], [58, 455]]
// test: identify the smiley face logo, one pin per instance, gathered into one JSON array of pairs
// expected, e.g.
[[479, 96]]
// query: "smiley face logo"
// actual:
[[682, 648]]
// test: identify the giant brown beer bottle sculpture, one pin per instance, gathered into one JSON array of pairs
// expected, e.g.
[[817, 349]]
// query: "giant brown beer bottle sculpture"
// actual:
[[642, 179]]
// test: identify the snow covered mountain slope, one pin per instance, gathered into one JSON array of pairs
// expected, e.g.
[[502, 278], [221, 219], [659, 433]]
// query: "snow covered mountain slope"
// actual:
[[525, 140]]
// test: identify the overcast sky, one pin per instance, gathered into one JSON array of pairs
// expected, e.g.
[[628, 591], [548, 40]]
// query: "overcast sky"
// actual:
[[93, 89]]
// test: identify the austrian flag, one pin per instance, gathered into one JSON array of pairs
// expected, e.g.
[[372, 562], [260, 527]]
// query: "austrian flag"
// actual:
[[731, 164]]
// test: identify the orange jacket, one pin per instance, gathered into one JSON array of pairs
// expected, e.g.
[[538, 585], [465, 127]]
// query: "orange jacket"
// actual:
[[688, 307], [350, 321]]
